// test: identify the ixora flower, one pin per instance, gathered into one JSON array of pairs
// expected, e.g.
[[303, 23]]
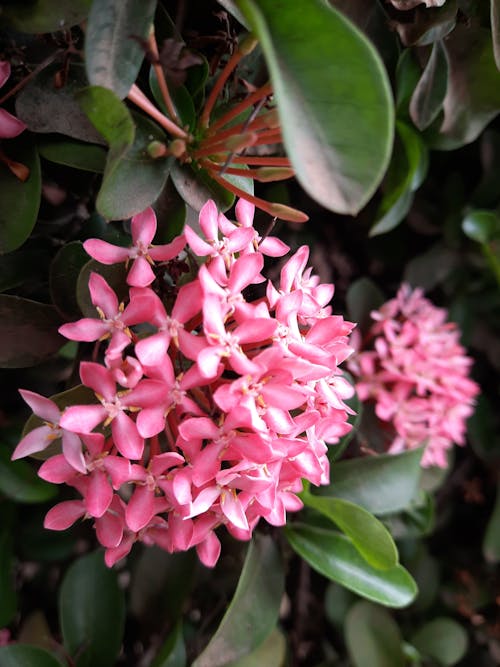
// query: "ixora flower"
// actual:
[[415, 370], [10, 127], [212, 411]]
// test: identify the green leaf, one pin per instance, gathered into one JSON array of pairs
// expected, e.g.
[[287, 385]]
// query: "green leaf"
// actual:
[[362, 297], [195, 186], [334, 556], [28, 334], [491, 542], [381, 484], [319, 90], [20, 201], [495, 29], [390, 219], [443, 639], [181, 98], [407, 77], [482, 226], [8, 597], [70, 153], [113, 48], [45, 107], [271, 653], [45, 15], [64, 271], [373, 638], [370, 537], [19, 482], [23, 655], [254, 609], [428, 96], [133, 181], [92, 612], [432, 267], [171, 212], [173, 651]]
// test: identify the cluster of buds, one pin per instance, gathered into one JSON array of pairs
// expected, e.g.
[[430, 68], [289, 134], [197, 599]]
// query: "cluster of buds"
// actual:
[[415, 370], [209, 410]]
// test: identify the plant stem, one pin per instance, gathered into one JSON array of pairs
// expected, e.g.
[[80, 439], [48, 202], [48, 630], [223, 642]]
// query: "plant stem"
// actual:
[[264, 91], [136, 96], [218, 86], [162, 82]]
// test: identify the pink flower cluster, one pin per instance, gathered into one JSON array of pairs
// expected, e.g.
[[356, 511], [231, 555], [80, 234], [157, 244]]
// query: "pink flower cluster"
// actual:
[[416, 372], [208, 411]]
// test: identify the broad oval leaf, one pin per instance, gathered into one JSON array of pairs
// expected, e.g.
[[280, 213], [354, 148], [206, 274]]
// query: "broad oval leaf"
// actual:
[[382, 484], [442, 639], [45, 15], [482, 226], [92, 612], [19, 482], [334, 556], [72, 153], [23, 655], [20, 201], [370, 537], [28, 334], [381, 644], [324, 73], [254, 609], [113, 48]]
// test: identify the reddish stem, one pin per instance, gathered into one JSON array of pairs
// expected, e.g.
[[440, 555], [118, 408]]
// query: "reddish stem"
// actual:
[[264, 91], [136, 96], [218, 86], [162, 82]]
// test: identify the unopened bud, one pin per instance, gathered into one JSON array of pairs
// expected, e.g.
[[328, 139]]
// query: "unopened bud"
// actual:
[[287, 213], [268, 174], [177, 147], [157, 149], [241, 141], [247, 44]]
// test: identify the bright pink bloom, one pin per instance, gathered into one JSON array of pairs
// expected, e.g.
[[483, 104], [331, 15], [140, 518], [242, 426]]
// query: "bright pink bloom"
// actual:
[[10, 126]]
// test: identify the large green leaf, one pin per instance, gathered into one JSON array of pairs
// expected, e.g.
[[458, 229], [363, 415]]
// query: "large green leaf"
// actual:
[[381, 484], [113, 49], [254, 609], [23, 655], [19, 482], [92, 612], [370, 537], [20, 201], [373, 637], [28, 334], [442, 639], [334, 556], [45, 15], [324, 74]]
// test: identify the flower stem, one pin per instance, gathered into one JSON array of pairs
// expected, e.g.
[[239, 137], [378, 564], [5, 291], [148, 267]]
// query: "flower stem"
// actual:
[[162, 82], [136, 96], [264, 91], [218, 86]]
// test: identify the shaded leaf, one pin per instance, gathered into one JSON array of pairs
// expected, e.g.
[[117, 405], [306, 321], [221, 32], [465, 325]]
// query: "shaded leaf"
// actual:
[[407, 77], [426, 26], [28, 334], [495, 29], [44, 107], [334, 556], [491, 541], [45, 15], [397, 212], [64, 271], [92, 612], [173, 651], [370, 537], [8, 597], [317, 92], [23, 655], [232, 7], [271, 653], [181, 98], [443, 639], [20, 201], [113, 48], [176, 59], [254, 609], [171, 213], [483, 430], [19, 482], [362, 297], [76, 154], [428, 96], [27, 264], [482, 226], [381, 644], [114, 274], [432, 267], [381, 484]]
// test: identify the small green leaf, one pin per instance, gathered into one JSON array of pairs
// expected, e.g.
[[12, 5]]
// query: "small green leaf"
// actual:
[[72, 153], [23, 655], [20, 201], [318, 92], [334, 556], [491, 542], [173, 651], [428, 96], [113, 48], [64, 271], [370, 537], [92, 612], [43, 16], [373, 637], [442, 639], [381, 484], [482, 226], [19, 482], [28, 334], [254, 609]]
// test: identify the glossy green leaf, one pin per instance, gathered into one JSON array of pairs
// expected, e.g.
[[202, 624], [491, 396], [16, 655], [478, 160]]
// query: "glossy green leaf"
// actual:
[[45, 15], [23, 655], [495, 29], [20, 201], [482, 226], [71, 153], [334, 556], [64, 271], [113, 48], [45, 107], [428, 96], [491, 541], [114, 274], [135, 180], [173, 651], [373, 637], [92, 612], [442, 639], [8, 596], [254, 609], [381, 484], [362, 297], [271, 653], [415, 521], [391, 218], [370, 537], [407, 77], [19, 482], [28, 334], [319, 90]]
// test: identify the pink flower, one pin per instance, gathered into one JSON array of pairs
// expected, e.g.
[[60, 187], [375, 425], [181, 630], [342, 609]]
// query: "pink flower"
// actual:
[[10, 126], [416, 373]]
